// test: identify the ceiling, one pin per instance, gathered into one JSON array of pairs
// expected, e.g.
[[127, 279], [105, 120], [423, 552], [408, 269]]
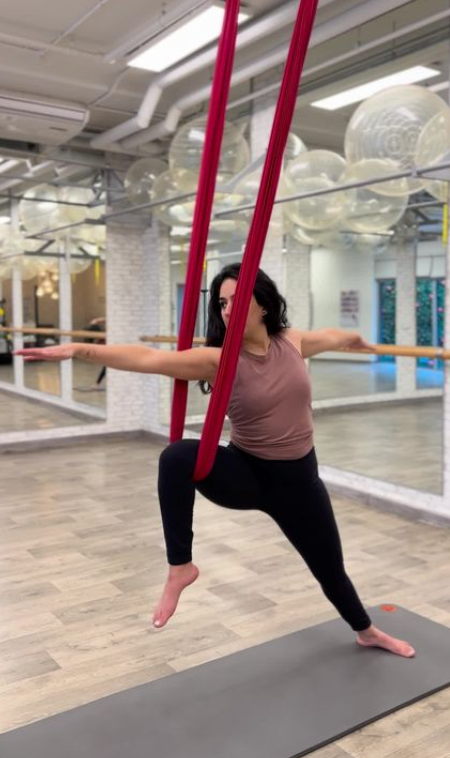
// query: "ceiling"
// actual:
[[77, 53]]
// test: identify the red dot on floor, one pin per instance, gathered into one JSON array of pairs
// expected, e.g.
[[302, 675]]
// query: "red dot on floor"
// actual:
[[388, 608]]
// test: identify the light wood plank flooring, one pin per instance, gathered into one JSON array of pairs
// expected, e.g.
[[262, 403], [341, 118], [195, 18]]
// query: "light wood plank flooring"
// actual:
[[82, 563]]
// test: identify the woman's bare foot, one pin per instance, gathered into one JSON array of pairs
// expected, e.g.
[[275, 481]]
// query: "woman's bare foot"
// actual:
[[373, 637], [179, 578]]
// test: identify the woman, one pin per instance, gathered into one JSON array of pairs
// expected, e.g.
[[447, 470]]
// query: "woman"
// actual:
[[270, 464]]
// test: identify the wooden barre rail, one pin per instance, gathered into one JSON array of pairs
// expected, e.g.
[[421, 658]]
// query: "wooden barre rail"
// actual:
[[53, 332], [400, 350]]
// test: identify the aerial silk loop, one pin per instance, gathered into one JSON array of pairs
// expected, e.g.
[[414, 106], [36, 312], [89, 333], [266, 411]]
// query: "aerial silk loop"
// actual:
[[203, 207], [255, 243]]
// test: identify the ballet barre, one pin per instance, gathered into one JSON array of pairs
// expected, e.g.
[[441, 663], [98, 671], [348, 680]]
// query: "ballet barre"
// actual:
[[406, 351]]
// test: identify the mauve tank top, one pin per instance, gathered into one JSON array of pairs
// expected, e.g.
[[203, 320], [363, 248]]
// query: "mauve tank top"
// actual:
[[270, 404]]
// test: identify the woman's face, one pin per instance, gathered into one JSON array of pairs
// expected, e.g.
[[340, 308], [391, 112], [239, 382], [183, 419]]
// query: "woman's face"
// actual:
[[226, 298]]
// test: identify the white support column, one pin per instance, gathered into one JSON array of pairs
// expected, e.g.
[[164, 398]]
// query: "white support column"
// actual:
[[406, 312], [17, 306], [297, 283], [446, 398], [17, 312], [65, 323], [261, 124]]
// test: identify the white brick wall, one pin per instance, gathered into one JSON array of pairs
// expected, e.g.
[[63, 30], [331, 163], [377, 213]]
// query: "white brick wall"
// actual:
[[446, 440], [297, 283], [406, 312], [260, 127]]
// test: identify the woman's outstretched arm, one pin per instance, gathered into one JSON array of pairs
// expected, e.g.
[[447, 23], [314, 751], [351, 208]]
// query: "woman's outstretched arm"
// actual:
[[190, 365], [323, 340]]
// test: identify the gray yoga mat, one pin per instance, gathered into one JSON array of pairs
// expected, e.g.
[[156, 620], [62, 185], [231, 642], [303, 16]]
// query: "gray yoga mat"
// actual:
[[282, 699]]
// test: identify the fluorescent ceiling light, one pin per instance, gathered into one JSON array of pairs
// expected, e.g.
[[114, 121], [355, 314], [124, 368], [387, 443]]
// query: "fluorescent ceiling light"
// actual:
[[192, 35], [357, 94], [4, 219]]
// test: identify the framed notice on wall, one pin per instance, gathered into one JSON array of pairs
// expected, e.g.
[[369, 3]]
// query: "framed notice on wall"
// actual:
[[349, 312]]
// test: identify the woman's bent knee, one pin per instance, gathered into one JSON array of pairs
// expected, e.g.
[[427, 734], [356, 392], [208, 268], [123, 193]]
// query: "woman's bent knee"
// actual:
[[179, 454]]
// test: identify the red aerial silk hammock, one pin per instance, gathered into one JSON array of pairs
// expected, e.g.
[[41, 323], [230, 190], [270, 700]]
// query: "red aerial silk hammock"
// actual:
[[204, 202], [255, 244]]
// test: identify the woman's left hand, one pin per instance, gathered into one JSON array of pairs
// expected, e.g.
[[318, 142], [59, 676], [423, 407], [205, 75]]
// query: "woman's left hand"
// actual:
[[356, 342]]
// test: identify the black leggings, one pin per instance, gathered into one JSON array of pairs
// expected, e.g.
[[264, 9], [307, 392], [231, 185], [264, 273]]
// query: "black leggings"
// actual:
[[291, 492]]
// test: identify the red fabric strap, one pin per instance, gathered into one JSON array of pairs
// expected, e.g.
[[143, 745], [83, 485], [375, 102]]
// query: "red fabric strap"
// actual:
[[204, 202], [257, 236]]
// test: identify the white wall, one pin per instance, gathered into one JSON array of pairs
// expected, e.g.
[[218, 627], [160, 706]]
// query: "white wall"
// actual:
[[431, 261], [331, 272]]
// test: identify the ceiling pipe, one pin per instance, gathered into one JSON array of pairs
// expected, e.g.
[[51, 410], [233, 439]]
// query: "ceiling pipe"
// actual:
[[39, 47], [323, 32], [34, 173], [356, 52], [77, 23], [252, 31], [8, 165]]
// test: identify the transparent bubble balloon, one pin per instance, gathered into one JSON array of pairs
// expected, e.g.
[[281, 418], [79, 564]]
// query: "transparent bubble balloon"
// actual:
[[245, 192], [186, 149], [304, 236], [12, 242], [79, 265], [372, 243], [439, 190], [313, 171], [68, 214], [432, 147], [5, 270], [388, 126], [28, 267], [167, 186], [228, 230], [47, 264], [140, 178], [434, 141], [375, 168], [181, 213], [94, 234], [37, 215], [367, 212], [294, 147]]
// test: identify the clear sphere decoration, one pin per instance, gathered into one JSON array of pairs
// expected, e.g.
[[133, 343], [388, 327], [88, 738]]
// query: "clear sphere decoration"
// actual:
[[79, 265], [38, 210], [376, 168], [314, 171], [92, 234], [294, 147], [166, 187], [432, 146], [388, 126], [28, 267], [186, 149], [5, 269], [368, 212], [12, 242], [140, 178], [82, 196], [228, 230], [372, 243]]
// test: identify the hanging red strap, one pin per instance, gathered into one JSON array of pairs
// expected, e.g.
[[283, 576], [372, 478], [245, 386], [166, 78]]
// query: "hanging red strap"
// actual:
[[204, 202], [257, 236]]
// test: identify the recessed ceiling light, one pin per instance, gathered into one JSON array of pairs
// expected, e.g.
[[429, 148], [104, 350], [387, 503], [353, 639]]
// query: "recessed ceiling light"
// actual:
[[363, 91], [189, 36]]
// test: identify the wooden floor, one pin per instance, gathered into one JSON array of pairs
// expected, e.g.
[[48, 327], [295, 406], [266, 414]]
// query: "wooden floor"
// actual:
[[82, 563]]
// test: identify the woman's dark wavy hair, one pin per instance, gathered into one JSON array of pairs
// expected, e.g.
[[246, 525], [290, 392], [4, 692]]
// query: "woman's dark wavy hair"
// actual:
[[266, 295]]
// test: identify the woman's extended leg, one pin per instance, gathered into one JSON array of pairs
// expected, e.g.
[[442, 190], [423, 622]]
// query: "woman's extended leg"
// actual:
[[232, 483], [304, 512]]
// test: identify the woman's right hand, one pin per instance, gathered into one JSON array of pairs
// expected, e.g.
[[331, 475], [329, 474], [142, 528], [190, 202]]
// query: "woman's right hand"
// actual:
[[54, 353]]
